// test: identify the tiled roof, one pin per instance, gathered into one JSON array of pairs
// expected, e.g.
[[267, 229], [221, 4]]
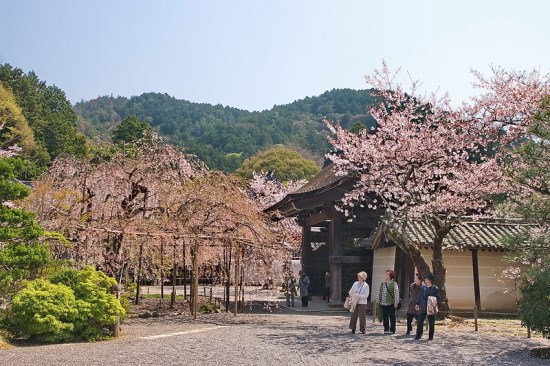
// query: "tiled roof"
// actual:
[[479, 234], [326, 177], [322, 189]]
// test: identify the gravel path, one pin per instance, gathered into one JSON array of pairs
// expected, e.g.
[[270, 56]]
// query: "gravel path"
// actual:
[[277, 339]]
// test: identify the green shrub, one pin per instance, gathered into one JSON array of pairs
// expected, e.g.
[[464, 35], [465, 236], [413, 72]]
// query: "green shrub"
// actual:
[[125, 303], [43, 311], [97, 307], [533, 305], [209, 308], [73, 305]]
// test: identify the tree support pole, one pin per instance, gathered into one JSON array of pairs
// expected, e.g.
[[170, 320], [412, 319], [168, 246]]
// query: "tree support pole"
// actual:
[[184, 273], [139, 273], [195, 279], [162, 269], [237, 275], [174, 270]]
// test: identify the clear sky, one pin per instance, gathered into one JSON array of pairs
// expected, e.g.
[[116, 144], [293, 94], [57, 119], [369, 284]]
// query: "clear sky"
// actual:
[[254, 54]]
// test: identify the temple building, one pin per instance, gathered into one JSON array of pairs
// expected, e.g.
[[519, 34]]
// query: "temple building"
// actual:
[[344, 245]]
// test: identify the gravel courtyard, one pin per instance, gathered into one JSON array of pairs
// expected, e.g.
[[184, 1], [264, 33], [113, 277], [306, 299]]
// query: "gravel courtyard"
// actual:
[[277, 339]]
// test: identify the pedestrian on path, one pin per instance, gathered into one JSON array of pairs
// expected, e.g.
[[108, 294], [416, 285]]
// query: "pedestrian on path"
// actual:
[[289, 287], [388, 296], [426, 305], [414, 290], [359, 293], [304, 283]]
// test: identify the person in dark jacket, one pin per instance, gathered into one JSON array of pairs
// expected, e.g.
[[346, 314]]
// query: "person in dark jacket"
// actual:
[[414, 290], [427, 290]]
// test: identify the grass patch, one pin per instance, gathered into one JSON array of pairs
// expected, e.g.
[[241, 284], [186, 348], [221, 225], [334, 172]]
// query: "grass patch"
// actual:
[[4, 344], [504, 326]]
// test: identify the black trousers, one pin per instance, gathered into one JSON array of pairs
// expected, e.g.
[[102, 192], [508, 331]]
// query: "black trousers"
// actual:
[[420, 325], [388, 315], [305, 300], [410, 318]]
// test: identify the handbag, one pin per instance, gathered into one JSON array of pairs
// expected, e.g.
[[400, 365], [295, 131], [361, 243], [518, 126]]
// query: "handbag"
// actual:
[[379, 315], [432, 307], [347, 303]]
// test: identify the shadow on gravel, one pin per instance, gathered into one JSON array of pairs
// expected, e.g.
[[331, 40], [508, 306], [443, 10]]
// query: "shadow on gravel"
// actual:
[[511, 357], [319, 340]]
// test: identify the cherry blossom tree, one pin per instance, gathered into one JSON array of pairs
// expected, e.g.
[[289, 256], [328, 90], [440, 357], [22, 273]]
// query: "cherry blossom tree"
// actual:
[[128, 214], [97, 204], [428, 161], [266, 191]]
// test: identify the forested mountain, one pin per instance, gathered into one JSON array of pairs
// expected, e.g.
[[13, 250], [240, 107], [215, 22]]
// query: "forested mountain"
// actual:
[[28, 102], [223, 136]]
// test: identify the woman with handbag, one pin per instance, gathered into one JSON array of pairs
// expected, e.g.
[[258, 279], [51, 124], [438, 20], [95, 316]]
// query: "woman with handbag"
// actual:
[[388, 296], [426, 305], [359, 294]]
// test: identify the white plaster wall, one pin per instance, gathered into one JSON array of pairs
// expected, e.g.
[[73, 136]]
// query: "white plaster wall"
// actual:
[[495, 295], [460, 281], [383, 259]]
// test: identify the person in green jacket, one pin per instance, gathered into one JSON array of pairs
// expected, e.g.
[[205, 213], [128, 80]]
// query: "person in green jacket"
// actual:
[[388, 296]]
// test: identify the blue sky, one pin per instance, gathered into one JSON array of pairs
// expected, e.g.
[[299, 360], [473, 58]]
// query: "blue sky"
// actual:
[[254, 54]]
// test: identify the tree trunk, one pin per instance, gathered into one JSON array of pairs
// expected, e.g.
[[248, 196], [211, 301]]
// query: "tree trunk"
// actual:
[[440, 231], [438, 266], [399, 236], [418, 260], [440, 273]]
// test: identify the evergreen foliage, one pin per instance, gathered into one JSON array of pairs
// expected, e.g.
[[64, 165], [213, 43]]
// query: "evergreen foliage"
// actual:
[[72, 305], [131, 129], [223, 137], [21, 253], [286, 164], [533, 246], [48, 113]]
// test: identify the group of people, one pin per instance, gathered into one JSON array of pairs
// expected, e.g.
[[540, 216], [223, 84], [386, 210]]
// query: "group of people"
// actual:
[[290, 289], [422, 304]]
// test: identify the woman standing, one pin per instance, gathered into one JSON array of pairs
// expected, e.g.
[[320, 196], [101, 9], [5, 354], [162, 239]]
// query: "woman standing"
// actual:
[[414, 290], [388, 296], [304, 288], [359, 293], [429, 293]]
